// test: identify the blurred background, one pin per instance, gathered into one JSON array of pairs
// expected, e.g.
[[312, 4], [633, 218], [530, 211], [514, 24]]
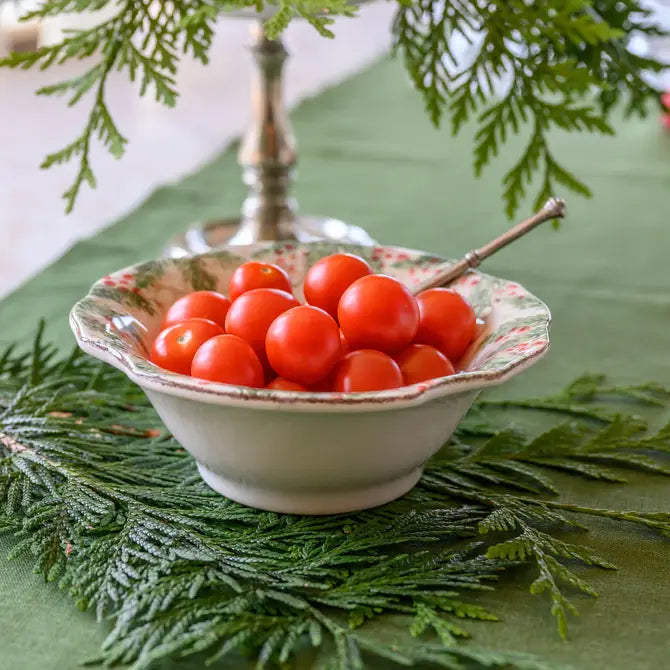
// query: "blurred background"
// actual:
[[165, 144]]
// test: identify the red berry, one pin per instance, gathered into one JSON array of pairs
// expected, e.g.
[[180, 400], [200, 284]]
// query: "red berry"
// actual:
[[421, 362], [378, 312], [446, 322], [366, 370], [228, 359], [303, 344], [330, 277], [281, 384]]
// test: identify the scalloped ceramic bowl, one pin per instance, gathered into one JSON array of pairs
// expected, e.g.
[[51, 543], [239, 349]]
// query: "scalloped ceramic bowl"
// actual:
[[306, 453]]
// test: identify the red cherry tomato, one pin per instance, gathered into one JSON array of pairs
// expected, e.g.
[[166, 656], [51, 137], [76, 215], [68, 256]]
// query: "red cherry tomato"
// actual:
[[366, 370], [281, 384], [324, 385], [250, 316], [251, 275], [378, 312], [175, 346], [198, 305], [303, 344], [344, 344], [446, 322], [330, 277], [420, 362], [228, 359]]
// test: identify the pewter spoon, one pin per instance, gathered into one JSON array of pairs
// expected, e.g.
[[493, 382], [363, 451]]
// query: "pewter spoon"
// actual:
[[554, 208]]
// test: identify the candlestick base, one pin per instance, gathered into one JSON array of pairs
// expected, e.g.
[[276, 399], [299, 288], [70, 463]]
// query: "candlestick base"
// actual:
[[205, 237]]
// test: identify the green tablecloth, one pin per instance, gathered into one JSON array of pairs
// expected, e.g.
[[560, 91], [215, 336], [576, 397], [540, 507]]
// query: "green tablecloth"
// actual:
[[370, 156]]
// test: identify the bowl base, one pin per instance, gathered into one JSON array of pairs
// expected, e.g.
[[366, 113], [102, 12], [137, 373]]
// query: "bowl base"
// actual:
[[310, 502]]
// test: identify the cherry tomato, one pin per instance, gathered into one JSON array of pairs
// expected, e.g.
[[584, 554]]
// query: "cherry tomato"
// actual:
[[420, 362], [198, 305], [281, 384], [344, 344], [176, 345], [303, 344], [330, 277], [250, 316], [446, 322], [378, 312], [324, 385], [366, 370], [252, 274], [230, 360]]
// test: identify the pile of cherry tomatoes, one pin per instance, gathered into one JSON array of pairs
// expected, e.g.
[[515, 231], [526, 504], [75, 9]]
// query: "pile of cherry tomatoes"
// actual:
[[358, 331]]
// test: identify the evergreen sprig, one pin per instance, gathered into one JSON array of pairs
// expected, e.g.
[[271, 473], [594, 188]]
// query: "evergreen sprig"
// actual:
[[146, 40], [531, 67], [542, 66], [110, 507]]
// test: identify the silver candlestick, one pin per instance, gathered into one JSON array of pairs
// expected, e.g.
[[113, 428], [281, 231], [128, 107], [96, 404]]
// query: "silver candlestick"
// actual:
[[267, 156]]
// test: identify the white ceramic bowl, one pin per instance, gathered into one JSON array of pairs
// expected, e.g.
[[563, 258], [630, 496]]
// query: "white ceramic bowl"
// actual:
[[306, 453]]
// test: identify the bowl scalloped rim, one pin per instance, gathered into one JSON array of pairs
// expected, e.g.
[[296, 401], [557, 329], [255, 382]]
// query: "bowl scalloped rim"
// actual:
[[103, 345]]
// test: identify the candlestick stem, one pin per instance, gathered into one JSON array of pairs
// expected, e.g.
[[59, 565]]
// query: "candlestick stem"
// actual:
[[267, 157]]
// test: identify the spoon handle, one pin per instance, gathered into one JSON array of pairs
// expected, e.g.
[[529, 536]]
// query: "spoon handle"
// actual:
[[554, 208]]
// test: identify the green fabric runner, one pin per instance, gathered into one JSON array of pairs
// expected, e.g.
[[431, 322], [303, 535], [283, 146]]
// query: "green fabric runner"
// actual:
[[370, 156]]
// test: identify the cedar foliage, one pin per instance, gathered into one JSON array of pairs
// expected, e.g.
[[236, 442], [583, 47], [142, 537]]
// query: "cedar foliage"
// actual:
[[530, 67], [109, 506]]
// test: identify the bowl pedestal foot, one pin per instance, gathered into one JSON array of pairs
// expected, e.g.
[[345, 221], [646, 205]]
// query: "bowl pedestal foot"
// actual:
[[310, 501]]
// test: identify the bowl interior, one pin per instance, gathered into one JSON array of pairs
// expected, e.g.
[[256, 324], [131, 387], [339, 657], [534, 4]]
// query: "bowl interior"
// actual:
[[122, 313]]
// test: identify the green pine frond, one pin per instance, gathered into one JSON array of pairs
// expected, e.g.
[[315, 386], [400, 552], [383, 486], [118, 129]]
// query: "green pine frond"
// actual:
[[116, 514], [526, 68], [146, 41], [530, 68]]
